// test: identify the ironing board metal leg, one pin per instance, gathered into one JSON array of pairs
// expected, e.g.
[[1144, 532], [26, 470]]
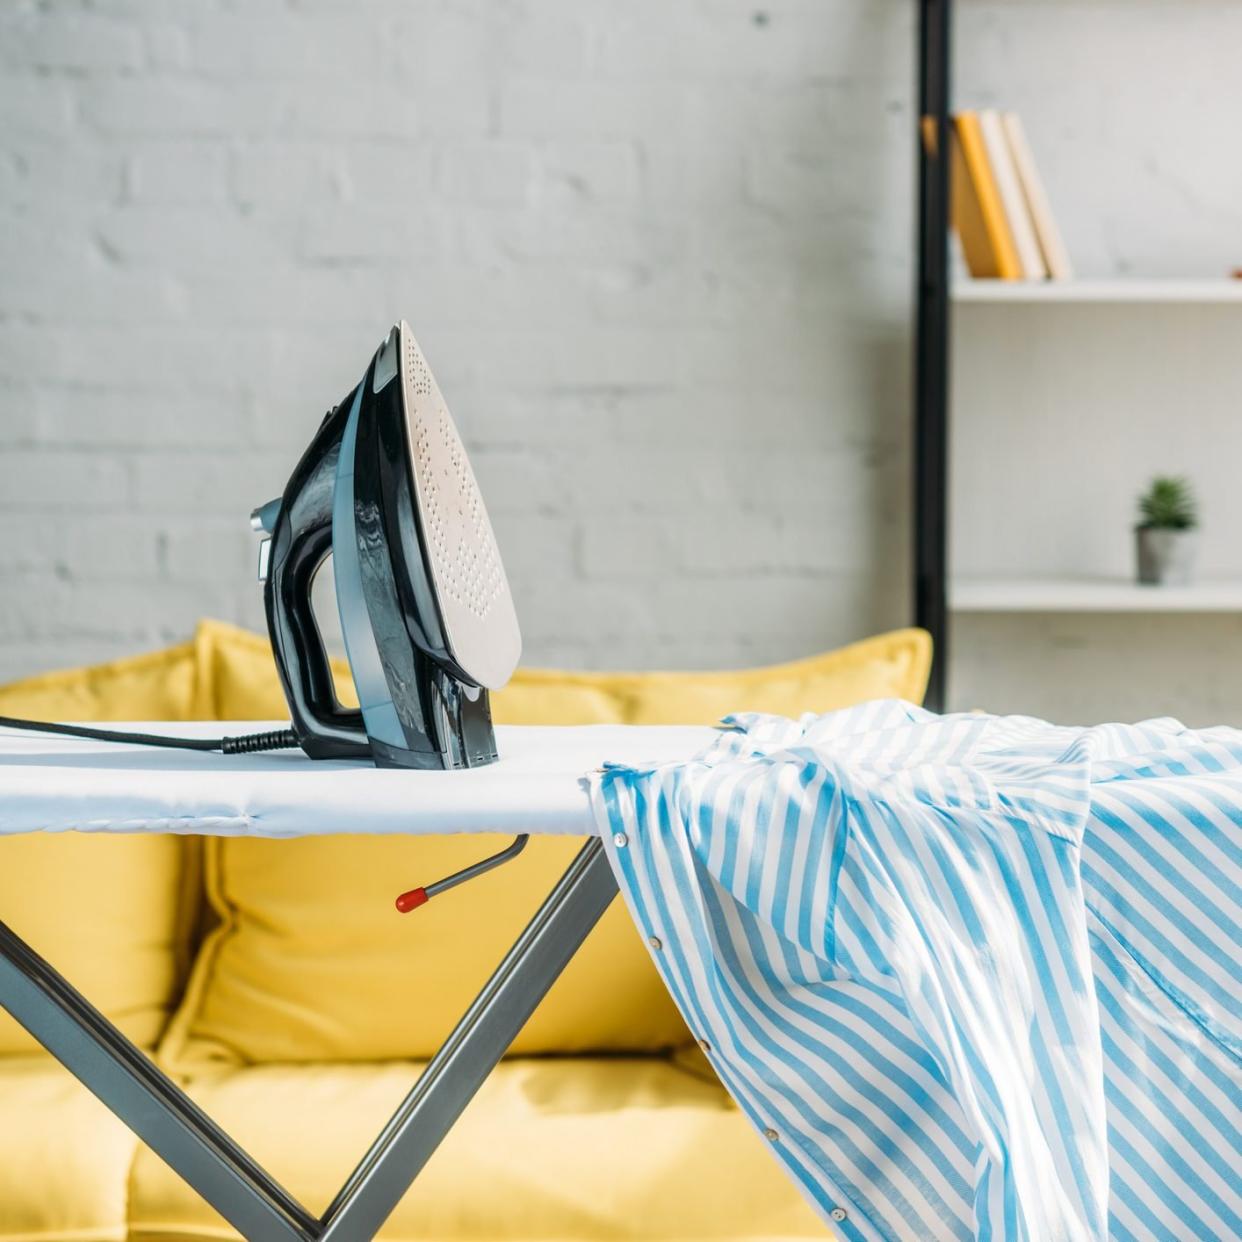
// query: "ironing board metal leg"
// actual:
[[145, 1098], [159, 1112], [480, 1039]]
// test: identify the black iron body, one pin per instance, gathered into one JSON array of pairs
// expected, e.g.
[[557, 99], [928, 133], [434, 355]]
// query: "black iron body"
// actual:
[[445, 718], [301, 540]]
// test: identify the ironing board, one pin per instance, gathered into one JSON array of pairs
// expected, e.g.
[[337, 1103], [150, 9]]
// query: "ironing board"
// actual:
[[61, 784]]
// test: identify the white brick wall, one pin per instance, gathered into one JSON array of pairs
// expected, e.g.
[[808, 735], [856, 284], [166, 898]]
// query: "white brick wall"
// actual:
[[671, 323], [658, 252]]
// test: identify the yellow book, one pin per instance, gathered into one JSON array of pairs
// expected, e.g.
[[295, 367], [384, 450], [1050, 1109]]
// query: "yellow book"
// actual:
[[978, 213]]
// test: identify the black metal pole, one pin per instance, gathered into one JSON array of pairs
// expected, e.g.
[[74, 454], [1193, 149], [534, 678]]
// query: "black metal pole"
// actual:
[[931, 367]]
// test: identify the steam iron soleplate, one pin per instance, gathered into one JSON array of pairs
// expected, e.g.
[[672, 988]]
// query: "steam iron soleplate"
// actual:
[[478, 621], [425, 607]]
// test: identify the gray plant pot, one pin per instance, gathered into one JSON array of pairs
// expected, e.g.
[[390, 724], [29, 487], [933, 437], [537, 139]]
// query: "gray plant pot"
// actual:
[[1165, 557]]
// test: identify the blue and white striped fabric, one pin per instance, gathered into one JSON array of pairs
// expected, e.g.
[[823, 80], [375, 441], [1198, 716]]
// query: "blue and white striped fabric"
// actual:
[[971, 976]]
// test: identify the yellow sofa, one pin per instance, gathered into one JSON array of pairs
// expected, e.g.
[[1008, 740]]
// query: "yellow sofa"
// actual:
[[274, 978]]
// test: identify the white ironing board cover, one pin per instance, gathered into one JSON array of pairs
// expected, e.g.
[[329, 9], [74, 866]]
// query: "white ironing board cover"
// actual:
[[59, 784]]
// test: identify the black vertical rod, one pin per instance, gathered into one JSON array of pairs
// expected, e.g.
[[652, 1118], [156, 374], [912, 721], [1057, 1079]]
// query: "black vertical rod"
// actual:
[[931, 367]]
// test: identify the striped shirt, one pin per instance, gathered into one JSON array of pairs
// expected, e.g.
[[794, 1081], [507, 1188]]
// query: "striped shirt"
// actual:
[[970, 976]]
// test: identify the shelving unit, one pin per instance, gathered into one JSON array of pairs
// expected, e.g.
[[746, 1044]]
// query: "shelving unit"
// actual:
[[1036, 485], [999, 594], [1191, 292]]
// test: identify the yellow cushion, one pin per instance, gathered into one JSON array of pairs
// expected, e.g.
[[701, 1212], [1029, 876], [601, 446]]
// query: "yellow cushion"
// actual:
[[310, 962], [893, 665], [549, 1149], [64, 1159], [157, 686], [889, 666], [107, 911], [237, 678]]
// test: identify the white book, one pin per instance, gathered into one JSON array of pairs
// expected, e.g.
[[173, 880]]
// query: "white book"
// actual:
[[1050, 244], [1013, 200]]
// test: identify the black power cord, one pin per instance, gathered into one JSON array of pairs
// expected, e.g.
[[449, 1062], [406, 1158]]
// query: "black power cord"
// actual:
[[248, 744]]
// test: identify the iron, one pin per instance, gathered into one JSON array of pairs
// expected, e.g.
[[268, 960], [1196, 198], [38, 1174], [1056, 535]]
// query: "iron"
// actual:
[[426, 612]]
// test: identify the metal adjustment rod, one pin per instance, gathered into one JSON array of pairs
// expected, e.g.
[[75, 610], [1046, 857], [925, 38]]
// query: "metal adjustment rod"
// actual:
[[421, 896]]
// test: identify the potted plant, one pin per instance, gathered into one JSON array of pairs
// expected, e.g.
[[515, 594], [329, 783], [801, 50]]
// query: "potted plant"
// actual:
[[1166, 532]]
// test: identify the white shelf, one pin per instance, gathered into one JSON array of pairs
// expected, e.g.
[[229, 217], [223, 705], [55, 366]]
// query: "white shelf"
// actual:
[[987, 594], [1201, 292]]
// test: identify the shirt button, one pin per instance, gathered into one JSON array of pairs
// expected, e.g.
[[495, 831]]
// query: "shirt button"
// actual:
[[771, 1135], [705, 1045], [620, 840], [655, 942], [837, 1213]]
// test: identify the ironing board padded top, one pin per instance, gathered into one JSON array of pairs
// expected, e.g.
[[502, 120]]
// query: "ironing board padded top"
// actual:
[[59, 783]]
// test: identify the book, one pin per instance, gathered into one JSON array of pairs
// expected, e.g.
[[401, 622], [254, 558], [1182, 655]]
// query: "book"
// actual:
[[1013, 200], [978, 214], [1046, 232]]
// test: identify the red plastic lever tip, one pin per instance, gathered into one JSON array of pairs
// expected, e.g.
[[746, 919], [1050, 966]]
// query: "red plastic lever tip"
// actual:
[[412, 900]]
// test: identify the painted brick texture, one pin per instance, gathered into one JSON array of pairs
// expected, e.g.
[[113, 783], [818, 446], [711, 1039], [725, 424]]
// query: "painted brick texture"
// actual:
[[658, 255]]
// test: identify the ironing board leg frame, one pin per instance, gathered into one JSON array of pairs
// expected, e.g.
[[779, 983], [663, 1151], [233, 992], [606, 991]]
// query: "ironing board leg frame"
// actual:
[[145, 1098], [161, 1114], [469, 1054]]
